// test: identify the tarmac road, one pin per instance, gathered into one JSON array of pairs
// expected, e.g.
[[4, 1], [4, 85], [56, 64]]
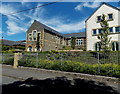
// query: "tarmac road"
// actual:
[[10, 75]]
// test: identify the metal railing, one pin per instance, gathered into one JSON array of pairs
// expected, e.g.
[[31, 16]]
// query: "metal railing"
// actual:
[[87, 58]]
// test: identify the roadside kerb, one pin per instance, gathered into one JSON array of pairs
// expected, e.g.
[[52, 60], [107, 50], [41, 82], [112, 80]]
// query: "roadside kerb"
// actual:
[[98, 78]]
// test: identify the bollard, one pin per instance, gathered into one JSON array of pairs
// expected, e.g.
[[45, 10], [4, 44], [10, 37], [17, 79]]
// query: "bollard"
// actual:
[[17, 56]]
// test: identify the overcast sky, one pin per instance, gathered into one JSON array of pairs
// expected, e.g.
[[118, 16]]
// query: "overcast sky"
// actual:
[[64, 17]]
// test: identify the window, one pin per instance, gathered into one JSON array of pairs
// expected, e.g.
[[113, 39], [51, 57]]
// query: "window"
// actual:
[[30, 37], [30, 34], [38, 36], [117, 29], [94, 32], [97, 46], [79, 42], [99, 31], [110, 16], [111, 29], [30, 48], [98, 18], [69, 42], [115, 46], [34, 35]]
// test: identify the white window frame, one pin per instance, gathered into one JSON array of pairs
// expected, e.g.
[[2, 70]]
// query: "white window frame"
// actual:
[[97, 18], [79, 42], [33, 35], [39, 35], [29, 36], [119, 29], [112, 29], [108, 16], [115, 43], [96, 31]]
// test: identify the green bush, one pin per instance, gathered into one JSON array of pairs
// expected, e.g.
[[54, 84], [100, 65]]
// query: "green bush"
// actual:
[[69, 66], [27, 62], [71, 62], [9, 61]]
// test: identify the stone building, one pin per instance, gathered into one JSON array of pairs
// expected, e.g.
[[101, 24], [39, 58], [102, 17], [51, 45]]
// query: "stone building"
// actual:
[[80, 40], [49, 39], [93, 27]]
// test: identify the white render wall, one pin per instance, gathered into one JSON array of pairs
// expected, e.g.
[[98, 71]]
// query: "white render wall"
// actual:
[[92, 24]]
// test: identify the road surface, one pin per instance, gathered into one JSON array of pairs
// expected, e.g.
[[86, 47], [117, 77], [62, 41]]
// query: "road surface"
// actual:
[[28, 78]]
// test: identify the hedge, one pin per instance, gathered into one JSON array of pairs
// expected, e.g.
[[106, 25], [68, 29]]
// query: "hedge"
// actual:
[[108, 69]]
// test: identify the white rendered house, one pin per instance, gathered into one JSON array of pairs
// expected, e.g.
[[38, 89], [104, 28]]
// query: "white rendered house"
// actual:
[[93, 27]]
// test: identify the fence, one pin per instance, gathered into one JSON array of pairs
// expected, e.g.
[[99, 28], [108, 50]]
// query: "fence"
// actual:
[[7, 58], [85, 62]]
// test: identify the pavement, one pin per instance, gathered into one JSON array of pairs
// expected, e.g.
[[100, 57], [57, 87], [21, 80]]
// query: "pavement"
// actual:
[[11, 75]]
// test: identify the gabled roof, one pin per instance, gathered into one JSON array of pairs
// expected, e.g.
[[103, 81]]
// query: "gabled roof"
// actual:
[[48, 28], [100, 6], [77, 35]]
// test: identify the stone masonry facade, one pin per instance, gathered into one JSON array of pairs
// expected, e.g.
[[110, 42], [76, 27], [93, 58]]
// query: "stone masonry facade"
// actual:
[[49, 39]]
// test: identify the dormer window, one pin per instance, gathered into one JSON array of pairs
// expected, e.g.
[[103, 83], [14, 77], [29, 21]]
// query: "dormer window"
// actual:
[[110, 16], [98, 18]]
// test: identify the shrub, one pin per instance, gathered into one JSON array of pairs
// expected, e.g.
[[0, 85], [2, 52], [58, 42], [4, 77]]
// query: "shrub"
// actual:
[[71, 62], [9, 61], [69, 66]]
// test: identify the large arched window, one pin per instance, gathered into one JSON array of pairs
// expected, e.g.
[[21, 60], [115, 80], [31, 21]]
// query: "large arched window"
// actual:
[[115, 46], [29, 48], [37, 49], [34, 34], [97, 46]]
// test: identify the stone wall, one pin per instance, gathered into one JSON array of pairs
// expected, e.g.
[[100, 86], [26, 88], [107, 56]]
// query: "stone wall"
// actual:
[[52, 41], [81, 47], [48, 40]]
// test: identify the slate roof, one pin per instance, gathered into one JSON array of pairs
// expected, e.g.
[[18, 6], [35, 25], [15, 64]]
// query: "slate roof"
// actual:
[[19, 42], [48, 28], [77, 35], [11, 43], [100, 6]]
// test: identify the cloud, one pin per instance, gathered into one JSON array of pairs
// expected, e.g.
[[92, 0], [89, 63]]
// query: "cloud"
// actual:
[[1, 31], [72, 27], [16, 23], [5, 9], [13, 27], [94, 4], [78, 7], [56, 22]]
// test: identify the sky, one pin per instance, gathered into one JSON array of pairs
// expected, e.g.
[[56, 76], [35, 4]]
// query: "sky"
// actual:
[[64, 17]]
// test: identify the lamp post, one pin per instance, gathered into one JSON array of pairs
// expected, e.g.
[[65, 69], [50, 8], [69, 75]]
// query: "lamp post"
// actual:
[[2, 49]]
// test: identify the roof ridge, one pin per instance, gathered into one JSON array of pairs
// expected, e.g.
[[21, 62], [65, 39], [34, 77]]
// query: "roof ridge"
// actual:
[[73, 33], [55, 31]]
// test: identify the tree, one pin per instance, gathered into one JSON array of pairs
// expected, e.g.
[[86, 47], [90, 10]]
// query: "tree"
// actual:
[[104, 35], [73, 42]]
